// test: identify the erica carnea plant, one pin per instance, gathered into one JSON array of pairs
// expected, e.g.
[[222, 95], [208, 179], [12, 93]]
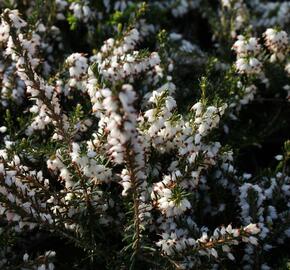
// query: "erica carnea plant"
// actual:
[[144, 135]]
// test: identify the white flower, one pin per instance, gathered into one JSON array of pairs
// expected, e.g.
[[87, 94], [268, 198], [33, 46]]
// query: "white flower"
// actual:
[[253, 240], [213, 252], [246, 47], [226, 3], [41, 267], [175, 36], [287, 69], [25, 257], [14, 17], [4, 31], [3, 129], [252, 229], [78, 64], [249, 66], [231, 256]]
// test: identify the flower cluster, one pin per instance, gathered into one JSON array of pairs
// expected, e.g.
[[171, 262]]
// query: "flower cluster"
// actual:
[[78, 65], [124, 63], [277, 43], [247, 50], [170, 200]]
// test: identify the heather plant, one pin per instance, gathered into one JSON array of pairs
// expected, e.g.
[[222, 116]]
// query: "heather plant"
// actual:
[[147, 135]]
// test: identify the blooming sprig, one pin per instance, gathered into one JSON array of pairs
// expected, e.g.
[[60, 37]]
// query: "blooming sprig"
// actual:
[[222, 239]]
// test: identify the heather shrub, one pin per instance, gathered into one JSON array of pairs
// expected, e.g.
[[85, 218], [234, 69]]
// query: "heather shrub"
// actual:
[[147, 135]]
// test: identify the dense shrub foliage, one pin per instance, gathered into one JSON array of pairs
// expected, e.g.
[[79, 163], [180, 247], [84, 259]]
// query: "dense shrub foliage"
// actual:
[[144, 135]]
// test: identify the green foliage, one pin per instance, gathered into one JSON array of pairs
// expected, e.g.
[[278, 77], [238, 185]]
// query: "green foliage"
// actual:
[[72, 21]]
